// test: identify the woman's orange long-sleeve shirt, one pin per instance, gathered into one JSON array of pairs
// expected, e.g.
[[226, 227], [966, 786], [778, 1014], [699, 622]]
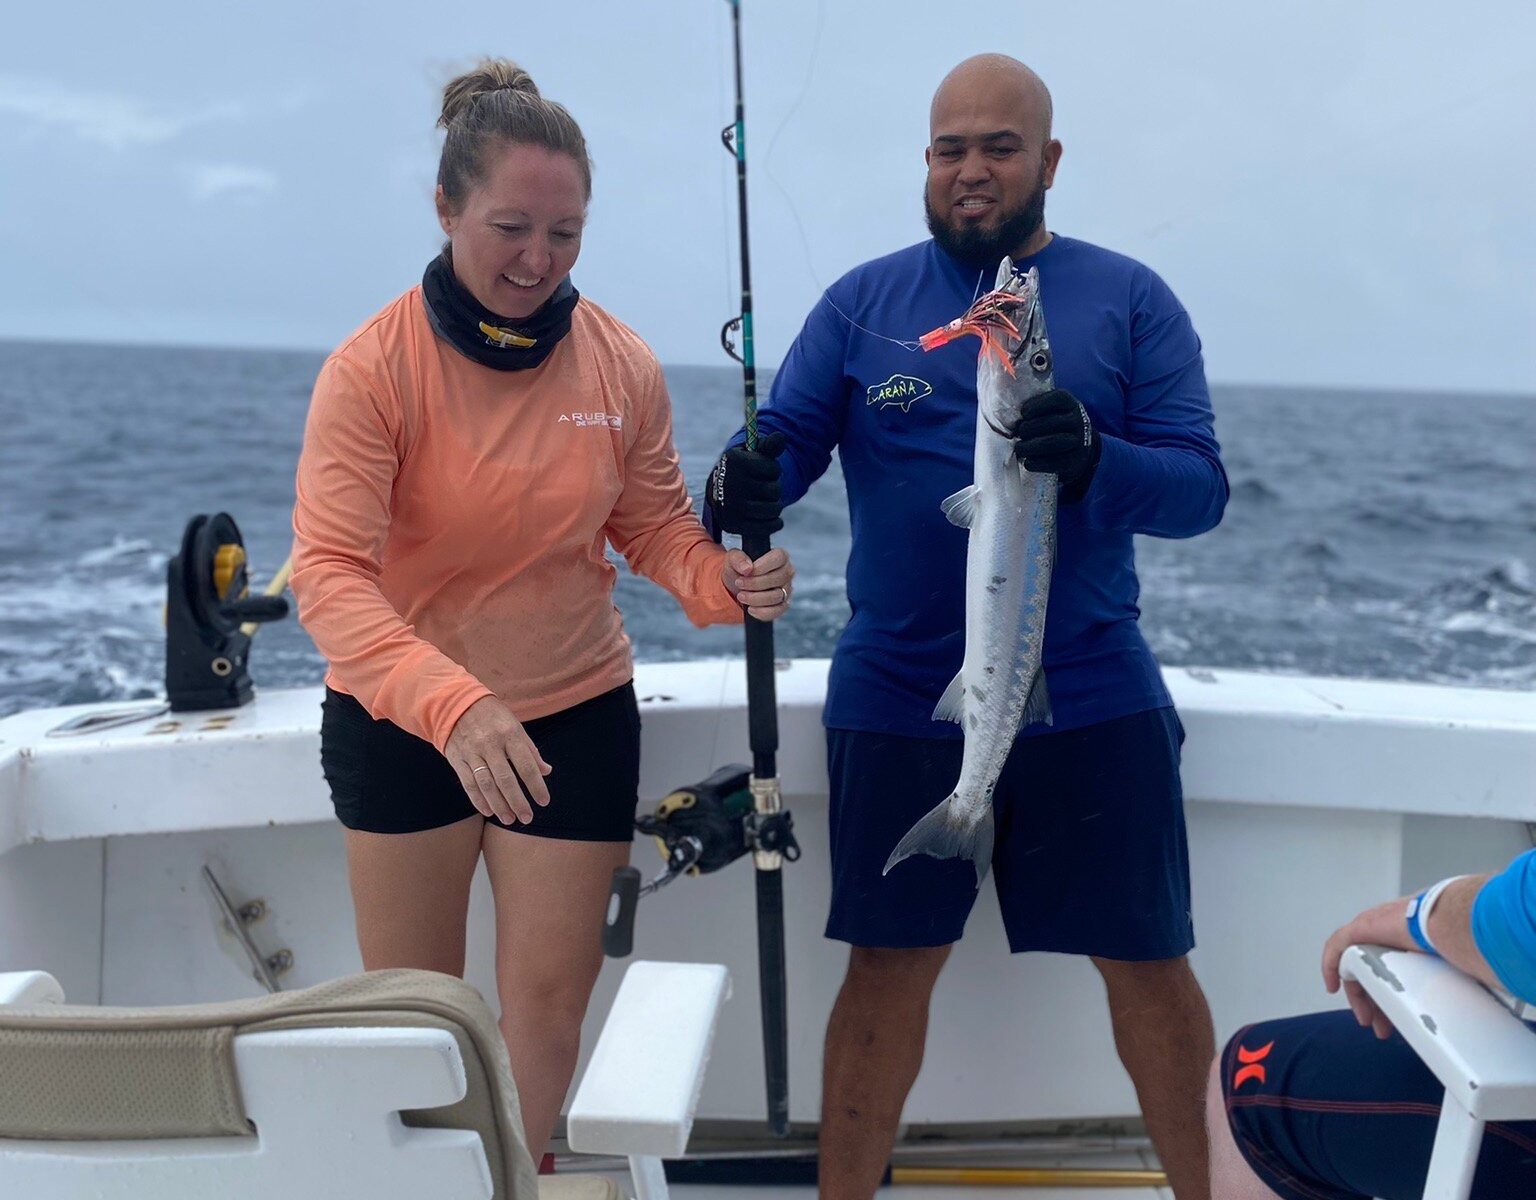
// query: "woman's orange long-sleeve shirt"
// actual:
[[450, 523]]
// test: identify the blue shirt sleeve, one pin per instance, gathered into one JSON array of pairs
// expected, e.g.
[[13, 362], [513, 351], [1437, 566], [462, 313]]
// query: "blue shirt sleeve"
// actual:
[[1504, 926], [1164, 476], [807, 403]]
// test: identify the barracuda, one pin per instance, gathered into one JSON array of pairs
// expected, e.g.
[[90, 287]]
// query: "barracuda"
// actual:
[[1011, 516]]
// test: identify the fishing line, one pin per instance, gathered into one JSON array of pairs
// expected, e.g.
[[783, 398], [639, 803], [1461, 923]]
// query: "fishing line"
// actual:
[[909, 345], [722, 85]]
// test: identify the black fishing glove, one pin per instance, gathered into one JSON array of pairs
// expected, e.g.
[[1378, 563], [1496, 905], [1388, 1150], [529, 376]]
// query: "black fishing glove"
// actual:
[[743, 489], [1056, 437]]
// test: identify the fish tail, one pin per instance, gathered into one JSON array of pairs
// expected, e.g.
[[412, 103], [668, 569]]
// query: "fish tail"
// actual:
[[945, 833]]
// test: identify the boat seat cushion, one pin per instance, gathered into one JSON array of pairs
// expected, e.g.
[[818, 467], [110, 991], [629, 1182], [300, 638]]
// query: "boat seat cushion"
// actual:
[[81, 1073], [578, 1187]]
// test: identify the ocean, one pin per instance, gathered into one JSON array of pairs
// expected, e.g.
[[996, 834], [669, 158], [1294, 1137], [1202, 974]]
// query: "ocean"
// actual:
[[1372, 534]]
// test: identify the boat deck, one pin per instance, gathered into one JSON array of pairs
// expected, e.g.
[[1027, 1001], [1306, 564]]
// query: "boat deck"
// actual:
[[934, 1191]]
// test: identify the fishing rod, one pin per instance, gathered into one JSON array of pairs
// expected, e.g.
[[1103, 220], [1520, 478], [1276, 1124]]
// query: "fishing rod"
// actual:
[[762, 700], [738, 810]]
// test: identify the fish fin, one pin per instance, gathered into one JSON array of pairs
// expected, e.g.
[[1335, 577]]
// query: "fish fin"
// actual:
[[943, 833], [1038, 707], [951, 705], [960, 509]]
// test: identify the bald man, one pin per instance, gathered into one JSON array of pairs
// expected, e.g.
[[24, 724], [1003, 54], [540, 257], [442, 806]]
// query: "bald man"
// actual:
[[1090, 854]]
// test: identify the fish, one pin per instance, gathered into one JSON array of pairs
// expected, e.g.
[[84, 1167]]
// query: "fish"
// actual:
[[1010, 555]]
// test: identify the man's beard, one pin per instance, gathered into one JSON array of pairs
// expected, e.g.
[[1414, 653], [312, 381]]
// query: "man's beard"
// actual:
[[978, 248]]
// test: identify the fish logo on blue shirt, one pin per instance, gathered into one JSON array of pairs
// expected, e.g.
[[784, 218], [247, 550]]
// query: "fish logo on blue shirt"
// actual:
[[903, 390]]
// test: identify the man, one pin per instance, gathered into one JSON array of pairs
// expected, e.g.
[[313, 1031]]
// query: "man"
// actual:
[[1090, 853], [1316, 1108]]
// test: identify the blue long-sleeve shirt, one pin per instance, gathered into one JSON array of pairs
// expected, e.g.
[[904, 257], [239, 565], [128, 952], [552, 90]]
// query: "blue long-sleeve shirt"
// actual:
[[1504, 926], [904, 424]]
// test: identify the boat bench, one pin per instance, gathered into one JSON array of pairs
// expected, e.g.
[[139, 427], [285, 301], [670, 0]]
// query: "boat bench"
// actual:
[[384, 1085]]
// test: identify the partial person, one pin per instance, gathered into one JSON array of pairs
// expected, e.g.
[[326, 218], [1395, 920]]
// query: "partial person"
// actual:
[[470, 453], [1336, 1105], [1090, 855]]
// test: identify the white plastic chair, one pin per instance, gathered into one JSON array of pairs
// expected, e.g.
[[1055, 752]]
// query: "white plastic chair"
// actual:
[[1476, 1044], [340, 1092]]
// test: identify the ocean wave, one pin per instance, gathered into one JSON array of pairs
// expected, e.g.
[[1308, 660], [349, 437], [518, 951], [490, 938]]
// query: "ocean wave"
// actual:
[[1488, 625], [1506, 589], [1417, 515], [1253, 491], [1317, 552], [121, 549], [1326, 564]]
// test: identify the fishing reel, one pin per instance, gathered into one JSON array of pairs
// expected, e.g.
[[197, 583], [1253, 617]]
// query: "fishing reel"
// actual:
[[210, 616], [698, 829]]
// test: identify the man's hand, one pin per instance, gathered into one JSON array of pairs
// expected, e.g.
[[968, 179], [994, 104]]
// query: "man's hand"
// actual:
[[1384, 925], [1055, 436], [498, 765], [743, 489]]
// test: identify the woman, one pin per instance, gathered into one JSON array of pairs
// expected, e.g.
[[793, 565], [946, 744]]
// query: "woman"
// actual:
[[469, 451]]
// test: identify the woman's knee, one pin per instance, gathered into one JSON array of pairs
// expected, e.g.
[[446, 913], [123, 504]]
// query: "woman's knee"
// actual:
[[551, 997]]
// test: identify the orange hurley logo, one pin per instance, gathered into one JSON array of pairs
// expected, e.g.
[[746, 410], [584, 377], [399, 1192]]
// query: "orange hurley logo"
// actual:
[[1252, 1065], [592, 420]]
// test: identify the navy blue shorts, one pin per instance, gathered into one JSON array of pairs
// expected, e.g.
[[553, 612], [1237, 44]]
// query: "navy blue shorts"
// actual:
[[1324, 1110], [1089, 858]]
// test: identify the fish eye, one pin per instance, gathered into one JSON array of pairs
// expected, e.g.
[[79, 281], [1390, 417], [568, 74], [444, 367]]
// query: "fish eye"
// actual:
[[1040, 361]]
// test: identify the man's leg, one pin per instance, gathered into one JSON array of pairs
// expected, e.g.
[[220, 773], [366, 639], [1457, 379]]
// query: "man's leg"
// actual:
[[1231, 1176], [900, 928], [1317, 1106], [1165, 1039], [1092, 859], [875, 1042]]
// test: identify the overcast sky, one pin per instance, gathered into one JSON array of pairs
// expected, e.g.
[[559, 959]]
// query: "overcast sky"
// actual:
[[1341, 193]]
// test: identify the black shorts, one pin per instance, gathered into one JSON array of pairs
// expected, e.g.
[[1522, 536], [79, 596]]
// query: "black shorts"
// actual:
[[385, 780], [1090, 854], [1324, 1110]]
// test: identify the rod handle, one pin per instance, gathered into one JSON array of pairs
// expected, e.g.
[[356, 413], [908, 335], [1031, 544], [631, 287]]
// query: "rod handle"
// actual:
[[619, 921]]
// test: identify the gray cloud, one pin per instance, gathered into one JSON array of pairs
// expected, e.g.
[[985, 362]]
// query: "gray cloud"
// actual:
[[107, 119], [211, 181], [1317, 182]]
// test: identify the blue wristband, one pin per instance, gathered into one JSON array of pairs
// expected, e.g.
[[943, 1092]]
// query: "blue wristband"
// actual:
[[1415, 926]]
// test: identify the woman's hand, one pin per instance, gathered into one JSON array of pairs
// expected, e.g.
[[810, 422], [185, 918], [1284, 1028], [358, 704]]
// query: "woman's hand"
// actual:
[[499, 766], [761, 587]]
